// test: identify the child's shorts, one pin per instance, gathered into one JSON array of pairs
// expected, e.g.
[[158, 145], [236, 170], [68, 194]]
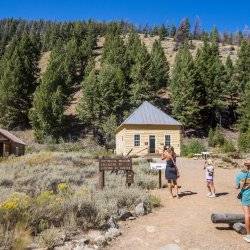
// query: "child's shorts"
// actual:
[[210, 180]]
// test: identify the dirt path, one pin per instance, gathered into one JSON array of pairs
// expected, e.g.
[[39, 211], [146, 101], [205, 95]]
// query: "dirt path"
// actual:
[[185, 223]]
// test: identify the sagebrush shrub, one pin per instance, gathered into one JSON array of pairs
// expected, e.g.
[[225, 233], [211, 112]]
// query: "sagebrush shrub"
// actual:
[[228, 147], [14, 209]]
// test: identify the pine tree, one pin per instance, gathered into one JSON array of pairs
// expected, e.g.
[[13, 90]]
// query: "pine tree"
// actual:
[[185, 92], [183, 32], [56, 85], [18, 80], [140, 86], [158, 71], [88, 110], [46, 114], [114, 51], [231, 89], [212, 80], [244, 125], [133, 47], [108, 128], [214, 35], [162, 32], [242, 67], [197, 29], [113, 91]]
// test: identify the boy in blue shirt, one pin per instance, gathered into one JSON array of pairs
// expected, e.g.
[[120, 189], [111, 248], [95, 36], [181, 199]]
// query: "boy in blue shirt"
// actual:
[[243, 182]]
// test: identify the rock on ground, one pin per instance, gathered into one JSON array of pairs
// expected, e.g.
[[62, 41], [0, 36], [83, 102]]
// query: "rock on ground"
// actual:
[[170, 247]]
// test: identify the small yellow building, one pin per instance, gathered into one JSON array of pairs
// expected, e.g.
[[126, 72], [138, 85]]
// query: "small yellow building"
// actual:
[[146, 131]]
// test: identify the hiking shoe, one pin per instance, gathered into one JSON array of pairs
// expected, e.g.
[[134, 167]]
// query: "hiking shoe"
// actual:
[[208, 194], [212, 196], [247, 238]]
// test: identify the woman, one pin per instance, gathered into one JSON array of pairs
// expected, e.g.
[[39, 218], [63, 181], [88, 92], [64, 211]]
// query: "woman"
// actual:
[[171, 172], [243, 182]]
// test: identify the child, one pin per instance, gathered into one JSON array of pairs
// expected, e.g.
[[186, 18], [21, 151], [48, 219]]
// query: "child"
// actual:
[[209, 170]]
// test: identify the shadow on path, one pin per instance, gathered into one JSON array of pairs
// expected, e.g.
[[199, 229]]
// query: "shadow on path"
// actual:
[[224, 228], [186, 193], [221, 194]]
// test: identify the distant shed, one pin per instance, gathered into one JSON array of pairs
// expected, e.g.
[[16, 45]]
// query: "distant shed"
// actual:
[[146, 131], [10, 144]]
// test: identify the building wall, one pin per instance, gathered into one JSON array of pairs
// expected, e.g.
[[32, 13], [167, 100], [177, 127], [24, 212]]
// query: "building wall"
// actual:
[[17, 149], [125, 138], [120, 142], [9, 148]]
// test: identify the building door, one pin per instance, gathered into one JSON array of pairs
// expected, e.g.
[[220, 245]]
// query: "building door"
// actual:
[[1, 149], [152, 144]]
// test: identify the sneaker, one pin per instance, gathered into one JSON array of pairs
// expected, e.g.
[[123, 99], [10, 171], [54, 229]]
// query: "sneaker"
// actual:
[[247, 238], [212, 196], [208, 194]]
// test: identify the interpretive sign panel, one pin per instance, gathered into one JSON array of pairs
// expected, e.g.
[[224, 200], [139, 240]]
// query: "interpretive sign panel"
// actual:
[[108, 164]]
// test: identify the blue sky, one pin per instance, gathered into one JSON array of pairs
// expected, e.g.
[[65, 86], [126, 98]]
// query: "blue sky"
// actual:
[[227, 15]]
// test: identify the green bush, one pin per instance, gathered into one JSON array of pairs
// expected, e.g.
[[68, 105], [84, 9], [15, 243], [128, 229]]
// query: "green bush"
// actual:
[[228, 147], [211, 138], [244, 141], [215, 138], [191, 148], [218, 138]]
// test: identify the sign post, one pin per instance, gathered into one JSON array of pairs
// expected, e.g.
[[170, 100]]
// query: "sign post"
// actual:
[[160, 178], [158, 166], [109, 164]]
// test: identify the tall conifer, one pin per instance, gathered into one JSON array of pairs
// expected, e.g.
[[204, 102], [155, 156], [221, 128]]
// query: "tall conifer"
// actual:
[[158, 71], [185, 89], [18, 80], [212, 79]]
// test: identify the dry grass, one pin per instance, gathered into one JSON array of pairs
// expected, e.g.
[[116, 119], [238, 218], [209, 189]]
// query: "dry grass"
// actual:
[[48, 191]]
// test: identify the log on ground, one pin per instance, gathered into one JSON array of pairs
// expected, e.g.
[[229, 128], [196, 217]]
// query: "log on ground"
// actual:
[[240, 228], [227, 218]]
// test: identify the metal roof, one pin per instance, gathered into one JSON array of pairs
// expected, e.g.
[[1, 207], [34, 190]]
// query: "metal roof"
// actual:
[[148, 114], [10, 136]]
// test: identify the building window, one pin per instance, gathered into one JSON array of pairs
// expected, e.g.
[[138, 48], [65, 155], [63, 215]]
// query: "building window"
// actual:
[[137, 140], [167, 140]]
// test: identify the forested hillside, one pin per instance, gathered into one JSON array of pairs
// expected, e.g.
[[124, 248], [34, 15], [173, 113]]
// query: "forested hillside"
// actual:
[[108, 69]]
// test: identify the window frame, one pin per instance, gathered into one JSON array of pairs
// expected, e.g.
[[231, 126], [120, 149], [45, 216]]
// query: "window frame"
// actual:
[[137, 141], [169, 136]]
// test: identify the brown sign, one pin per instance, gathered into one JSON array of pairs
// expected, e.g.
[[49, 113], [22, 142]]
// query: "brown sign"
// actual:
[[115, 164], [124, 164]]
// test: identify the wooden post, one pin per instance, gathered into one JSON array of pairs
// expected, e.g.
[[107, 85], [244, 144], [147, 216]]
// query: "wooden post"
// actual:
[[159, 178], [101, 179]]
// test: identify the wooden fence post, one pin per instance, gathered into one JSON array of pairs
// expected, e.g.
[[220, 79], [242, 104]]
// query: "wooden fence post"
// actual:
[[101, 179]]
